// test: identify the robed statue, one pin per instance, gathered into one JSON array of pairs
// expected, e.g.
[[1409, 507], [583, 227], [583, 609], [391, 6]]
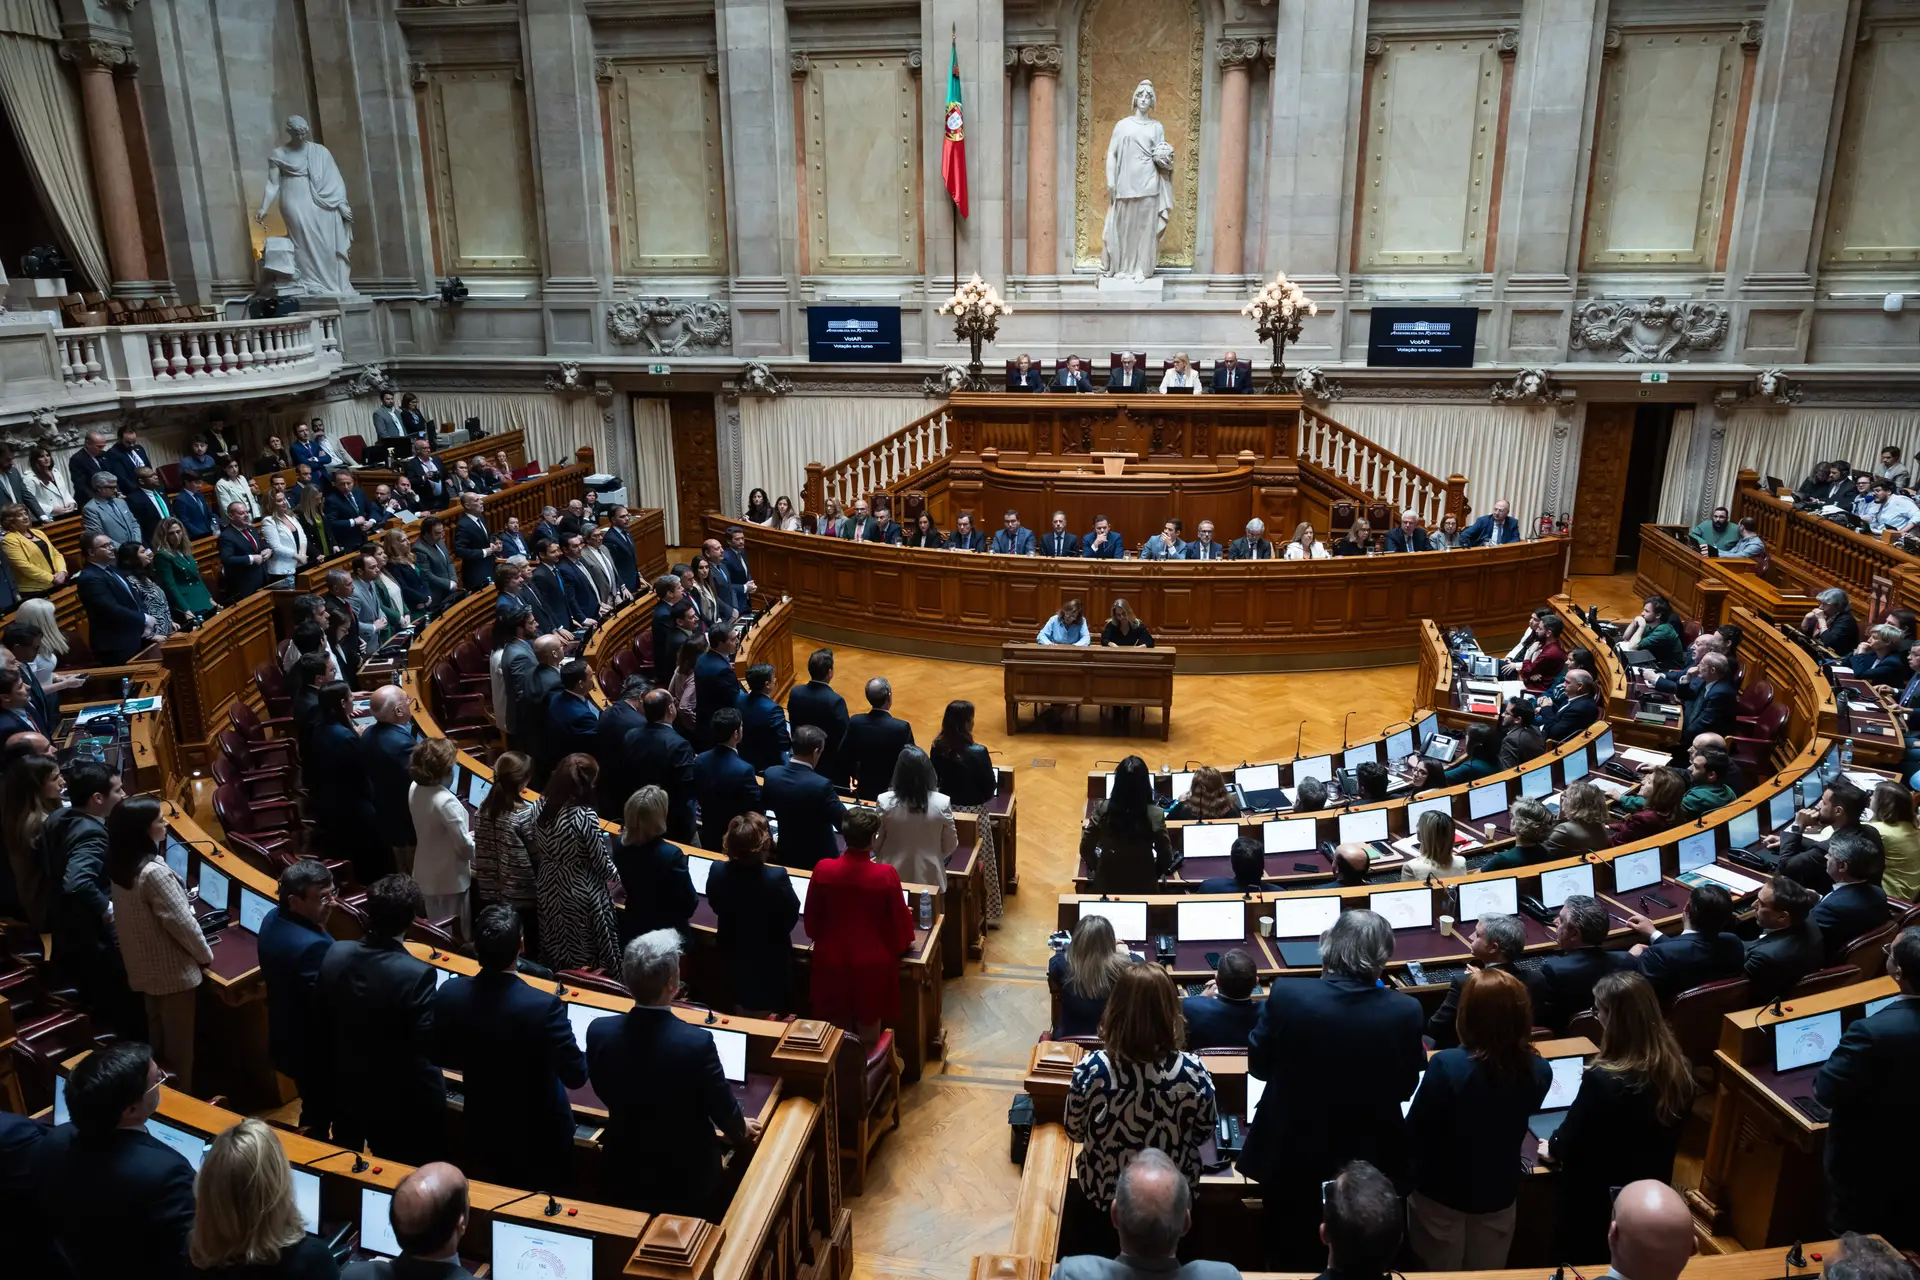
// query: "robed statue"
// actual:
[[1139, 192], [313, 204]]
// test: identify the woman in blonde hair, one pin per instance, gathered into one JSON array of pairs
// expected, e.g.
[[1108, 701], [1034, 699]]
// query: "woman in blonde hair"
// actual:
[[1081, 976], [37, 565], [1435, 837], [1355, 540], [1304, 545], [443, 852], [654, 872], [177, 571], [1180, 376], [246, 1223], [1124, 628], [40, 615], [1583, 822]]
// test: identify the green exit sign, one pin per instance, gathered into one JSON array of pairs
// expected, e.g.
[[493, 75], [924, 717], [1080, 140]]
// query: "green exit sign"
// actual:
[[1654, 375], [660, 369]]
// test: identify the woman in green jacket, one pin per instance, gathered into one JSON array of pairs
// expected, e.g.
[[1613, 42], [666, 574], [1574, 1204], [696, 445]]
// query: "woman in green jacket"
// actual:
[[178, 573]]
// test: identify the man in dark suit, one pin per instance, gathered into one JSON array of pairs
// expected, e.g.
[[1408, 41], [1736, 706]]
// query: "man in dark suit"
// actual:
[[1498, 942], [715, 687], [348, 515], [474, 546], [683, 618], [512, 542], [1104, 543], [723, 784], [1868, 1086], [376, 1002], [860, 527], [655, 755], [538, 689], [1012, 539], [874, 741], [1299, 1138], [116, 625], [1248, 860], [429, 1217], [766, 741], [620, 718], [735, 561], [619, 545], [667, 593], [665, 1093], [1789, 946], [1127, 378], [1025, 375], [1255, 545], [1579, 710], [806, 802], [1059, 540], [190, 507], [964, 536], [1495, 530], [29, 1241], [1563, 985], [293, 942], [1408, 536], [516, 1050], [512, 665], [1804, 858], [1223, 1015], [1071, 376], [243, 556], [1705, 950], [1231, 377], [572, 719], [126, 457], [13, 485], [584, 604], [550, 604], [148, 502], [816, 703], [1203, 547], [22, 640], [117, 1200], [1708, 703], [428, 478], [86, 462], [387, 748], [1855, 906]]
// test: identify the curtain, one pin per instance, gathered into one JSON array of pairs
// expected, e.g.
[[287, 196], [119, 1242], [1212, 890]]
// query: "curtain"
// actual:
[[1787, 443], [1503, 452], [1676, 497], [780, 435], [43, 104], [654, 484]]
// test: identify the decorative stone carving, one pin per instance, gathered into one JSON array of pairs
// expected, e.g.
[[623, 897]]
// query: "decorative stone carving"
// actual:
[[913, 61], [1269, 47], [1139, 192], [1239, 53], [1529, 386], [566, 379], [603, 69], [1313, 384], [417, 74], [1612, 41], [713, 65], [799, 63], [1752, 32], [671, 326], [313, 203], [1507, 43], [1376, 47], [1775, 387], [43, 427], [759, 380], [98, 53], [368, 379], [449, 4], [1041, 59], [1651, 332], [950, 379]]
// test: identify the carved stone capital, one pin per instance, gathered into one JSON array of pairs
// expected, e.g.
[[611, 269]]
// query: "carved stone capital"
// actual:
[[1012, 56], [1752, 32], [914, 61], [1611, 42], [417, 73], [90, 55], [1041, 59], [713, 66], [603, 70], [1376, 48], [799, 63], [1269, 50], [1234, 52], [1507, 43]]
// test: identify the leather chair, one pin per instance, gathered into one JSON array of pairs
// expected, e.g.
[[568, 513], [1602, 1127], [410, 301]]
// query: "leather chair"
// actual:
[[355, 445], [470, 660], [1755, 749], [1839, 975], [1585, 1023], [267, 752], [462, 712], [40, 1046], [593, 980], [913, 505], [1864, 952], [238, 815], [643, 647], [869, 1100], [1695, 1016], [1380, 519], [258, 779], [1754, 698], [271, 683], [1341, 518]]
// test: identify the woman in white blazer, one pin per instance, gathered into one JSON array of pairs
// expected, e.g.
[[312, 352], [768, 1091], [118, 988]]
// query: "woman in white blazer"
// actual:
[[1180, 373], [917, 833], [443, 848], [1304, 545], [159, 939], [286, 540]]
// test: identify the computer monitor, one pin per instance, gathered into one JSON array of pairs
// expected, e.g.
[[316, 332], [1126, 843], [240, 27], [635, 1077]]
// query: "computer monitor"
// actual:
[[306, 1198], [1320, 767], [1210, 921], [733, 1053], [1780, 809], [1804, 1042], [520, 1249], [1400, 745], [1290, 835], [1636, 870], [1419, 809], [1537, 782], [376, 1223], [1743, 829], [1428, 726], [1304, 917], [1486, 800], [1557, 886], [179, 858], [1603, 747], [190, 1145], [1873, 1007], [1257, 777], [1404, 908], [799, 884], [254, 910], [580, 1015], [1573, 765], [1209, 839], [59, 1099], [1181, 784], [1129, 919], [441, 977], [1365, 753], [1256, 1090], [1109, 786], [1697, 850], [1358, 828], [697, 870], [461, 777], [1566, 1082], [1489, 897], [478, 790], [215, 889]]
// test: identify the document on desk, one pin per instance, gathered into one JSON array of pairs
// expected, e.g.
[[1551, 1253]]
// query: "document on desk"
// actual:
[[1732, 880], [1640, 755], [580, 1015]]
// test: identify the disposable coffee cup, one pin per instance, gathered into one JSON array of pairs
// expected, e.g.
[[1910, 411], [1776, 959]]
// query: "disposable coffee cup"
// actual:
[[1266, 926], [1446, 926]]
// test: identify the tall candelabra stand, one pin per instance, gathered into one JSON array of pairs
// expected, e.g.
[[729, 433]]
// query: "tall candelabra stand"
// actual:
[[1277, 312], [976, 310]]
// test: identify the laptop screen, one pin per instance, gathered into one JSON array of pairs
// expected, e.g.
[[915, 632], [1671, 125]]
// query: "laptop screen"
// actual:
[[1129, 919], [1557, 886], [1573, 765], [1256, 1090], [215, 889], [1209, 840], [523, 1250], [1537, 782], [1485, 801], [190, 1145], [179, 859], [1873, 1007], [1404, 908], [733, 1053], [1636, 870], [1427, 727], [1743, 829], [306, 1198], [478, 790], [1210, 921], [580, 1015], [800, 884], [1566, 1082], [1803, 1042], [1365, 753], [1290, 835], [376, 1224], [1780, 809], [1304, 917], [1258, 777], [1358, 828], [1320, 767], [1420, 808], [1697, 850], [1182, 783], [697, 871], [1489, 897], [1603, 747], [254, 910], [1400, 745]]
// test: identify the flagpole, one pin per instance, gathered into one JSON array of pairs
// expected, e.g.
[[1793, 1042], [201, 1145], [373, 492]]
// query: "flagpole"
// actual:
[[953, 205]]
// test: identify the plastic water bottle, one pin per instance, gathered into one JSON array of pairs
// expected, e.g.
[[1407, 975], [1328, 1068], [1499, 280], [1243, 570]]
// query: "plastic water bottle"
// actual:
[[1846, 754]]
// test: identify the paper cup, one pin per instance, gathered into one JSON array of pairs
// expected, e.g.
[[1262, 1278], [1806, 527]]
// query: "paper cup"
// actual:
[[1266, 926], [1446, 926]]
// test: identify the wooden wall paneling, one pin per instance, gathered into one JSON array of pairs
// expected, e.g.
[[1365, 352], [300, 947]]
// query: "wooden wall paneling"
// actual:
[[1604, 450], [696, 464]]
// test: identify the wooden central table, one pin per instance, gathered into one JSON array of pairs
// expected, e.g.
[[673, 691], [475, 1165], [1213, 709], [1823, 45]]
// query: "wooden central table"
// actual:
[[1095, 676]]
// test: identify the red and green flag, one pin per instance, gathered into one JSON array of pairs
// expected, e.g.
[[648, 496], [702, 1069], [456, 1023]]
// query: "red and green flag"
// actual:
[[953, 149]]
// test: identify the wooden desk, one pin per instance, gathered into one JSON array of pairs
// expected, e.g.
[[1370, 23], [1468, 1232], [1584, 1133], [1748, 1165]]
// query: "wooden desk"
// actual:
[[1091, 677], [1812, 553]]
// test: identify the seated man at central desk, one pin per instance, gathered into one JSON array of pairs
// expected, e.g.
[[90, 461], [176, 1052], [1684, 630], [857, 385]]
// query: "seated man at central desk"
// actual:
[[1128, 377], [1013, 539], [1071, 376], [1059, 540], [1254, 546], [1104, 543]]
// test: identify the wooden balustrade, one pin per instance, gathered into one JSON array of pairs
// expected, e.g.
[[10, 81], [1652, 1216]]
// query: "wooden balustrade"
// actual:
[[888, 464], [1379, 473], [1811, 553], [1433, 676]]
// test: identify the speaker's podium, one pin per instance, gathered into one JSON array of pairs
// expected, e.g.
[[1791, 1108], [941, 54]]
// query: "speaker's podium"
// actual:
[[1097, 676]]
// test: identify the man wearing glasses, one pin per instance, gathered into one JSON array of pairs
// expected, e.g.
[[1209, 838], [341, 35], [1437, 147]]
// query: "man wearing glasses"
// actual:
[[293, 942]]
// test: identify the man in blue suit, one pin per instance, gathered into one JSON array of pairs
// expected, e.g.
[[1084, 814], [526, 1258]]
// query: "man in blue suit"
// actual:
[[1705, 950], [1231, 377], [1012, 539], [620, 718], [816, 703], [1223, 1016], [1071, 376], [387, 748], [190, 506], [126, 458], [619, 544], [293, 942], [1855, 906], [724, 785], [669, 1109], [964, 536], [806, 802], [583, 598], [655, 755], [116, 625], [1299, 1138], [715, 687], [572, 719], [1059, 540], [29, 1244], [1563, 984], [1708, 702], [1104, 543], [515, 1047], [765, 741], [348, 515], [1579, 710], [1495, 530], [550, 604], [1408, 536], [1203, 547], [735, 561]]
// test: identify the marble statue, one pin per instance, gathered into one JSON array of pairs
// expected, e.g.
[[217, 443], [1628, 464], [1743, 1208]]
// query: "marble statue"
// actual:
[[313, 204], [1139, 192]]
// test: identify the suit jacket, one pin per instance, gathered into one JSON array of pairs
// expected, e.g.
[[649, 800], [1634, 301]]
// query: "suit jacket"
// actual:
[[530, 713], [511, 545], [1031, 380], [714, 686], [609, 741], [1480, 532], [42, 701], [571, 725], [1574, 715], [472, 547], [739, 576], [1775, 961], [1114, 548], [872, 531], [583, 598], [1690, 960], [665, 1095], [1088, 1266], [1398, 540], [816, 703], [1019, 542], [809, 812], [766, 741], [517, 665], [725, 788], [1061, 543], [1217, 1023], [626, 559], [1305, 1025], [291, 949], [1250, 549], [974, 541], [29, 1241], [119, 1204], [550, 604], [1235, 377], [1441, 1028], [874, 742], [1134, 383], [1065, 381], [431, 485], [430, 561], [339, 510], [1875, 669], [82, 467], [1705, 708], [1848, 911], [192, 511], [149, 507], [1198, 550], [13, 488], [116, 624], [368, 608], [515, 1048], [314, 454], [1563, 984], [240, 579], [113, 518], [386, 748], [1868, 1086], [660, 893], [655, 755], [386, 424], [376, 1002]]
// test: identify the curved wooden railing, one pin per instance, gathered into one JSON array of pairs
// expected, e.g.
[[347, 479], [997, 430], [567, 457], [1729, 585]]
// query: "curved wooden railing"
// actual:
[[1813, 554], [1379, 473], [896, 460]]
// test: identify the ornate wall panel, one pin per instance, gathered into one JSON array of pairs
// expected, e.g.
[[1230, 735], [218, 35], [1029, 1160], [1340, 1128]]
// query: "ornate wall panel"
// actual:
[[862, 210], [1433, 113], [1875, 213], [668, 173], [1664, 149], [1121, 43], [480, 161]]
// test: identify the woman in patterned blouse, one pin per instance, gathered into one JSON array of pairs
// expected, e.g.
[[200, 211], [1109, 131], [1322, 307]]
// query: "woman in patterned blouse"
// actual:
[[572, 871], [502, 832], [1139, 1091]]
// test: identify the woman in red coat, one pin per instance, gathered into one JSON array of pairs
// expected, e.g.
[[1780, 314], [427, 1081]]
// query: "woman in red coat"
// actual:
[[860, 928]]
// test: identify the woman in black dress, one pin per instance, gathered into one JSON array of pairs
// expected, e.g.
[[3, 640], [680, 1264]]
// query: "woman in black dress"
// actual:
[[416, 423], [654, 873], [924, 534], [968, 779], [1124, 629], [754, 910]]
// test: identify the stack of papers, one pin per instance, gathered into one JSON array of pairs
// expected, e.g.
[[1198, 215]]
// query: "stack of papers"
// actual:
[[1640, 755]]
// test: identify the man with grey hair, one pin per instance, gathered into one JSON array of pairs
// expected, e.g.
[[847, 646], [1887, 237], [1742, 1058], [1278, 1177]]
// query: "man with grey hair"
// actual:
[[1868, 1085], [874, 741], [1855, 906], [1498, 942], [661, 1081], [1408, 535], [1564, 983], [1580, 709], [1866, 1258], [1254, 546], [107, 512], [1339, 1032], [1152, 1210], [1709, 700], [86, 462]]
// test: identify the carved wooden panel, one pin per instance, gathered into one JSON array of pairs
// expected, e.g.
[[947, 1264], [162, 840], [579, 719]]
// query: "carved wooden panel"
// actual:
[[696, 464], [1604, 451], [861, 148]]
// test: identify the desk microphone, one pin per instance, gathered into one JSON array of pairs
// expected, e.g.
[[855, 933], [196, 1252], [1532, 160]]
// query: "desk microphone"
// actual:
[[1795, 1258], [1344, 727], [1296, 738], [1185, 765], [553, 1207], [359, 1162]]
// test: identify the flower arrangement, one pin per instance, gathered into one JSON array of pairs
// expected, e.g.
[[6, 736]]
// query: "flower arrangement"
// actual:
[[976, 308], [1277, 312]]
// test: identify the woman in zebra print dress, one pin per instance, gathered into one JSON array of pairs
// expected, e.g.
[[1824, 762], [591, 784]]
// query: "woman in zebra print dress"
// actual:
[[571, 870]]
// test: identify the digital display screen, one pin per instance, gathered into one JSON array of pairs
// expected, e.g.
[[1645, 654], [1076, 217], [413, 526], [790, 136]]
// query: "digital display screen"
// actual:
[[1428, 727], [1400, 745], [306, 1198], [478, 790], [1636, 870], [1743, 830], [179, 859], [1210, 921], [1537, 782], [1573, 765], [1179, 784], [1404, 908], [1696, 851], [1304, 917], [215, 889], [1567, 1073], [733, 1053], [1603, 747], [1256, 1090], [190, 1145], [59, 1099], [580, 1015], [1358, 828], [800, 884], [1489, 897], [1258, 777], [1873, 1007], [462, 776], [1320, 767], [376, 1224], [1780, 810], [1209, 840], [1805, 1041], [1129, 919], [522, 1250], [1419, 809], [697, 871], [1365, 753], [254, 910], [864, 335], [442, 976], [1291, 835], [1557, 886], [1485, 801], [1421, 337]]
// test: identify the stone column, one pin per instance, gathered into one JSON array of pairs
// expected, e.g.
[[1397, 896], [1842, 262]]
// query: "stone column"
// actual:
[[1043, 79], [1556, 59], [1230, 189], [112, 173], [756, 95], [577, 256], [979, 26], [1317, 73]]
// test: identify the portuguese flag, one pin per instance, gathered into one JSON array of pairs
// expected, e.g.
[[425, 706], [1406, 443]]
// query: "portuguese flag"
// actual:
[[953, 147]]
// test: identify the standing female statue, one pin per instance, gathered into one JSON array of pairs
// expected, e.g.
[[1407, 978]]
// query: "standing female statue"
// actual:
[[313, 204], [1139, 191]]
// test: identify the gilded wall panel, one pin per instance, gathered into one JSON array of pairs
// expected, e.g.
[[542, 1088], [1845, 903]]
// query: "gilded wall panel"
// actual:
[[1433, 116], [668, 171], [1121, 43], [1875, 215], [1664, 151], [859, 131], [483, 203]]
